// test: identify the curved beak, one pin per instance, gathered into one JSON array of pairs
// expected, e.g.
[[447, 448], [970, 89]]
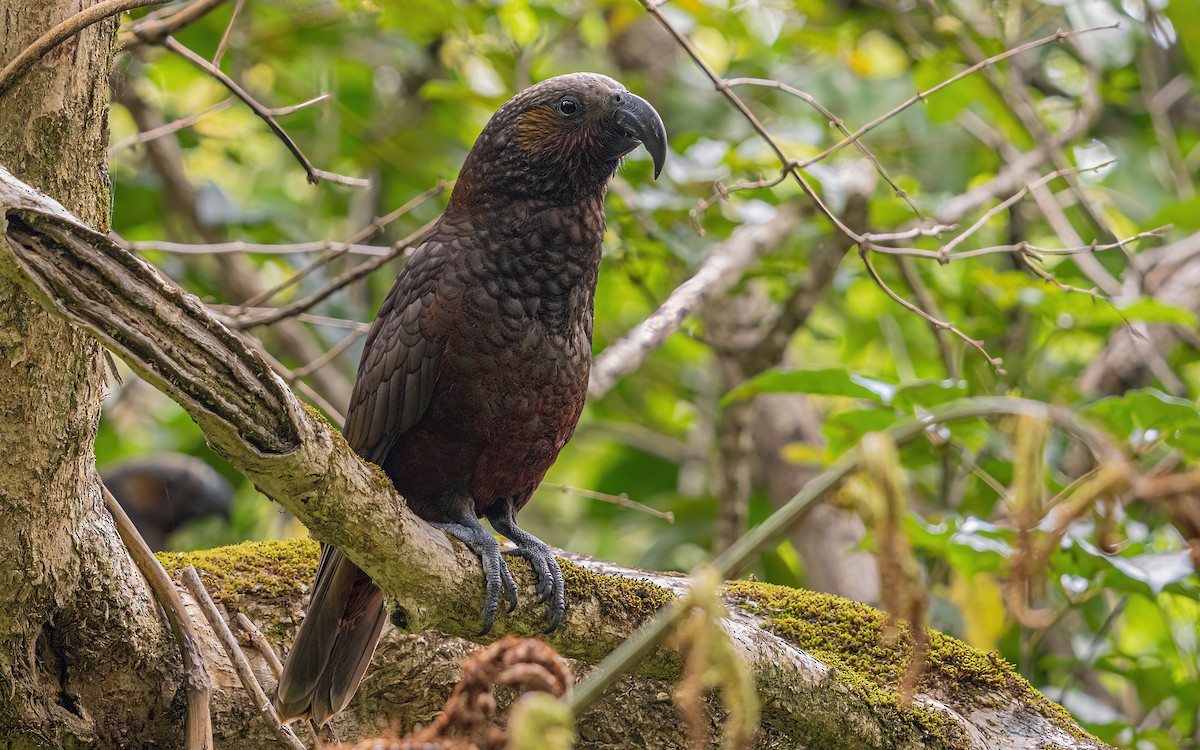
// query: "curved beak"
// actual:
[[640, 123]]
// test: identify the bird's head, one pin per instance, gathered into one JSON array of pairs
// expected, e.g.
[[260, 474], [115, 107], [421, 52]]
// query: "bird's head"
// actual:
[[559, 140]]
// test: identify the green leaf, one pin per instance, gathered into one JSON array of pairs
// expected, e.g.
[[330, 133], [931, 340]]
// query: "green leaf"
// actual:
[[830, 381], [1147, 416], [843, 431]]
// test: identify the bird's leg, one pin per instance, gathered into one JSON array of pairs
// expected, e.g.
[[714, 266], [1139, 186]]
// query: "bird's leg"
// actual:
[[470, 532], [549, 576]]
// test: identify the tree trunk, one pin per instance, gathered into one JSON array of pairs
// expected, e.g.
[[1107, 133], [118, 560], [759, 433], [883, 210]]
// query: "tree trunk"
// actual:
[[84, 658]]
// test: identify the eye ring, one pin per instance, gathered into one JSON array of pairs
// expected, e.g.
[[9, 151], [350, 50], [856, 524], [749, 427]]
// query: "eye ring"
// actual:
[[569, 106]]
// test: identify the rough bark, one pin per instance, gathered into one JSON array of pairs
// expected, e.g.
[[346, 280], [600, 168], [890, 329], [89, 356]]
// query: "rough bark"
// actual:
[[84, 659], [297, 459]]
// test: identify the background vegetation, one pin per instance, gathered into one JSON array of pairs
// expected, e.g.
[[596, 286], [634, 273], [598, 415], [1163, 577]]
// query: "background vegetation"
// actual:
[[1090, 590]]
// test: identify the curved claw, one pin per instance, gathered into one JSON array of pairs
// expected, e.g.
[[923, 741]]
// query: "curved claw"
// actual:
[[497, 577], [509, 585], [541, 571], [545, 566], [557, 597]]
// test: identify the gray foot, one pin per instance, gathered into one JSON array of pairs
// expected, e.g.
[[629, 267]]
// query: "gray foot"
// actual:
[[480, 541], [550, 586]]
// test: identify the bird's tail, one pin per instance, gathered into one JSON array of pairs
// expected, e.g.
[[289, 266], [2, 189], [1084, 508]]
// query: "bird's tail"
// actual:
[[335, 642]]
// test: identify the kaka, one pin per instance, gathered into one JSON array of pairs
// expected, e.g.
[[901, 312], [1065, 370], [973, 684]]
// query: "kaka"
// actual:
[[163, 492], [476, 368]]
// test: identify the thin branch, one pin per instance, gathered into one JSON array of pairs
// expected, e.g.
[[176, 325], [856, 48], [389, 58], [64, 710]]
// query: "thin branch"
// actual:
[[921, 96], [376, 225], [63, 31], [328, 356], [263, 647], [198, 688], [1014, 198], [937, 323], [260, 643], [622, 499], [294, 108], [237, 246], [170, 127], [1020, 248], [909, 234], [403, 247], [314, 175], [927, 302], [238, 659], [237, 8], [153, 27], [724, 266], [834, 121], [723, 191]]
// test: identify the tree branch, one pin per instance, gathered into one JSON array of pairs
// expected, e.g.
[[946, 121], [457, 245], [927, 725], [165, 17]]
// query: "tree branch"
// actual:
[[726, 263]]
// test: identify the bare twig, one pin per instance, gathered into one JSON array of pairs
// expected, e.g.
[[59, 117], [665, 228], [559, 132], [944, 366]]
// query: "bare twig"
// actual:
[[921, 96], [238, 659], [1012, 199], [354, 274], [622, 499], [260, 643], [1019, 248], [908, 234], [314, 175], [294, 108], [237, 8], [198, 726], [834, 121], [237, 246], [926, 300], [153, 27], [376, 225], [63, 31], [170, 127], [937, 323], [724, 266], [330, 355], [263, 647]]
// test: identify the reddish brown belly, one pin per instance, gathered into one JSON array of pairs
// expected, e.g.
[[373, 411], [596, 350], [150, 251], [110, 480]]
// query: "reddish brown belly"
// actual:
[[504, 407]]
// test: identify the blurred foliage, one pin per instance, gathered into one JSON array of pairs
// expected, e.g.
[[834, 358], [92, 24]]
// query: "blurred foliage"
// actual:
[[411, 83]]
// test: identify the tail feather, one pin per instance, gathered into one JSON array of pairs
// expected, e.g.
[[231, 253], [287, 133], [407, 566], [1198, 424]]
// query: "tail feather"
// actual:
[[334, 644]]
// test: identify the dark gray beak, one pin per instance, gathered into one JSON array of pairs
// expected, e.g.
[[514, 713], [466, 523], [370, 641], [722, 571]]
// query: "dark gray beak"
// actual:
[[640, 123]]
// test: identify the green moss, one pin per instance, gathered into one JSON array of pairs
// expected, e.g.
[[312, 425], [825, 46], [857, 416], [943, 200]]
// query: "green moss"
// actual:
[[849, 638], [618, 596], [270, 571]]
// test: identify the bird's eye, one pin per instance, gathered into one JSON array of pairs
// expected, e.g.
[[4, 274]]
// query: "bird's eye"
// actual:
[[568, 106]]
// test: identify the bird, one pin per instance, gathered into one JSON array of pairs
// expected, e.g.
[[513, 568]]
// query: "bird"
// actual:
[[474, 372], [164, 491]]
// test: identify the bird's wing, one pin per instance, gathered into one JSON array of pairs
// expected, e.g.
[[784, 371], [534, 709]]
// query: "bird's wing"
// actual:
[[395, 383], [400, 362]]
